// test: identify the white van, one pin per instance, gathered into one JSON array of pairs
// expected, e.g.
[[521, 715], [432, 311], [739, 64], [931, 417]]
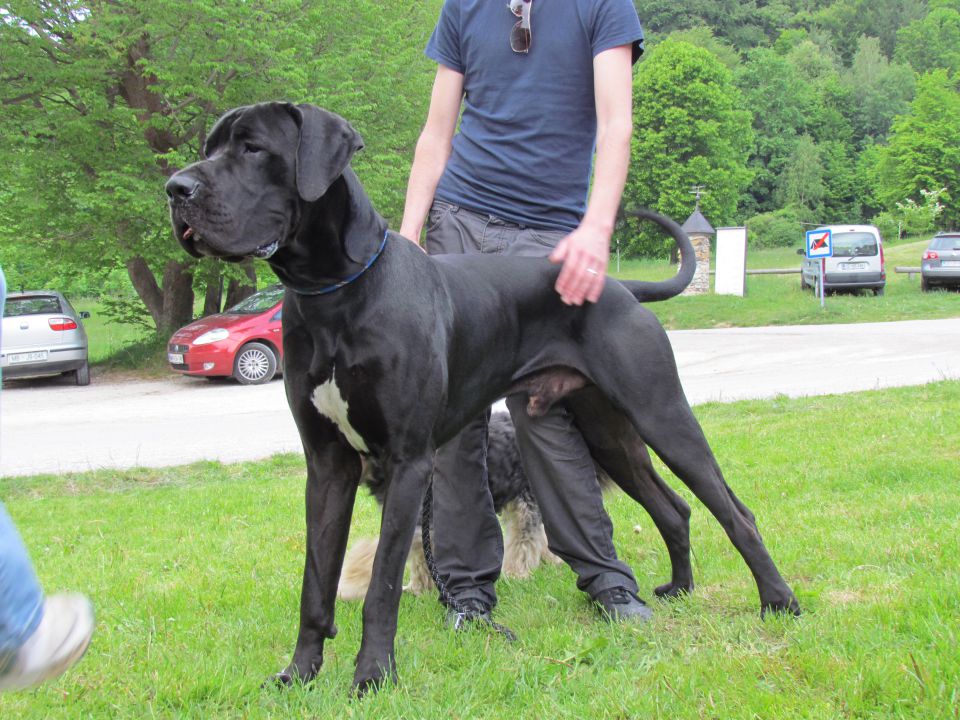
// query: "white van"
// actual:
[[857, 261]]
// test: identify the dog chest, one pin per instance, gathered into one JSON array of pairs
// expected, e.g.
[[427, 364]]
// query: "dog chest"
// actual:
[[330, 403]]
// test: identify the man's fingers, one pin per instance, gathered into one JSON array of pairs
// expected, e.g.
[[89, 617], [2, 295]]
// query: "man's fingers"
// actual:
[[559, 253]]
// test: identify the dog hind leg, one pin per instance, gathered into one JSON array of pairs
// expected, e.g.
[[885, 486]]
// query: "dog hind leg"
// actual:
[[357, 568], [420, 579], [675, 435], [525, 542], [622, 455]]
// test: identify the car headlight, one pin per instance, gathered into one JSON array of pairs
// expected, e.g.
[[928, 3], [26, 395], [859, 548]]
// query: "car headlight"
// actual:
[[212, 336]]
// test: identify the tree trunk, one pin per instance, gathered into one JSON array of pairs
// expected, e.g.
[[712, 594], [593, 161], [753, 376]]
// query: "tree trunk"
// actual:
[[170, 307], [177, 296], [240, 290], [146, 286], [214, 292]]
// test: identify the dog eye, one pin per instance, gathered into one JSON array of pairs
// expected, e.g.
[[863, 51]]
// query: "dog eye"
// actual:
[[251, 148]]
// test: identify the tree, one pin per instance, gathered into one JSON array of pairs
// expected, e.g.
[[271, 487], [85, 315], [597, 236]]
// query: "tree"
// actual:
[[740, 22], [801, 184], [101, 101], [848, 20], [880, 90], [923, 153], [690, 127], [931, 42], [783, 104]]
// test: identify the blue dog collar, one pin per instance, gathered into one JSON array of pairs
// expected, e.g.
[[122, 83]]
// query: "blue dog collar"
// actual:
[[347, 281]]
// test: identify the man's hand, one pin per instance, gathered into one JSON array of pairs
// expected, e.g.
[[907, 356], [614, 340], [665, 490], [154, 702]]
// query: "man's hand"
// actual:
[[584, 253]]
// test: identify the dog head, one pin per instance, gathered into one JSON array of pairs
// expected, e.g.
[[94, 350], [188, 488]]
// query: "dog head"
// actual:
[[262, 163]]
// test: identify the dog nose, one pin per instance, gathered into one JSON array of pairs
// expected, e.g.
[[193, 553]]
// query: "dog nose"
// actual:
[[182, 186]]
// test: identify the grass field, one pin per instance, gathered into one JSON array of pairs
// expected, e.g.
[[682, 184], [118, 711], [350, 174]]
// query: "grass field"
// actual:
[[195, 574]]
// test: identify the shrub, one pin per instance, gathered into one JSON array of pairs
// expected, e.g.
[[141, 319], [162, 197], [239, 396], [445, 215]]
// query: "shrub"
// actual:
[[780, 228]]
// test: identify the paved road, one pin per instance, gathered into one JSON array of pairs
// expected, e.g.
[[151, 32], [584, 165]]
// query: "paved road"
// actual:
[[51, 427]]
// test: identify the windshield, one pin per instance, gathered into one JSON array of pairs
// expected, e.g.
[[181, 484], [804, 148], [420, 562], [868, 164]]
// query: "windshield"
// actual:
[[258, 302], [41, 305], [854, 244]]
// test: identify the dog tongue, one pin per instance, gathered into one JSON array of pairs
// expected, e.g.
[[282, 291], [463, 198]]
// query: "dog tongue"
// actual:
[[188, 233]]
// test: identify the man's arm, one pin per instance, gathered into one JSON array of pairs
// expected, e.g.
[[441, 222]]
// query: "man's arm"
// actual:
[[433, 150], [586, 251]]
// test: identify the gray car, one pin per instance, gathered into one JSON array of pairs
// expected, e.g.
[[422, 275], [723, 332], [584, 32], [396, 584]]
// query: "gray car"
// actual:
[[940, 265], [43, 335]]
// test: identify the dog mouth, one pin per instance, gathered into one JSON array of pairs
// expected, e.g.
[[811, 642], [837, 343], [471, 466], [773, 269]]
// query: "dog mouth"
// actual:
[[265, 251], [191, 238]]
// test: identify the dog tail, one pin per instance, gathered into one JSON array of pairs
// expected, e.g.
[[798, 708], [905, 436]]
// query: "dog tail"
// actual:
[[665, 289]]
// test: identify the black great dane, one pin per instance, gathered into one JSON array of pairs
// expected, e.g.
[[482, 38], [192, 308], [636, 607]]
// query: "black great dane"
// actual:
[[390, 352]]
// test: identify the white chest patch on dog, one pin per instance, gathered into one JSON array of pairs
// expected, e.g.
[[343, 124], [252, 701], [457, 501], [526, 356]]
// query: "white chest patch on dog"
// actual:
[[328, 399]]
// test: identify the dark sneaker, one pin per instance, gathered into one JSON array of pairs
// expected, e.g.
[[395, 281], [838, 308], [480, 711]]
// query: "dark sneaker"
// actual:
[[618, 604], [471, 611]]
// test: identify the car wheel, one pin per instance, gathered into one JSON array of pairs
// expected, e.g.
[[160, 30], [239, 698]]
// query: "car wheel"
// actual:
[[254, 364], [82, 374], [803, 283], [924, 285], [878, 291]]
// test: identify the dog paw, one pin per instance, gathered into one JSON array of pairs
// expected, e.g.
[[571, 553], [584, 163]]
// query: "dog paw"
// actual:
[[786, 606], [290, 676], [365, 682], [671, 590]]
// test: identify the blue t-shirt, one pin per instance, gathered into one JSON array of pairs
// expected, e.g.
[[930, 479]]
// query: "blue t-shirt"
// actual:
[[524, 150]]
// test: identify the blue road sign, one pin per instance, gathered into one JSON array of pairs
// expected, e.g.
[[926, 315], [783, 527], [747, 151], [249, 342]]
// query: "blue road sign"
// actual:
[[819, 244]]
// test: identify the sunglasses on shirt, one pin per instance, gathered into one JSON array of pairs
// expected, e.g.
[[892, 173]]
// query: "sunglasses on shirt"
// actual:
[[520, 37]]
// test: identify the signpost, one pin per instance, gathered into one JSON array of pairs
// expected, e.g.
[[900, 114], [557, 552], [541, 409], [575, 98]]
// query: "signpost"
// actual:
[[820, 247]]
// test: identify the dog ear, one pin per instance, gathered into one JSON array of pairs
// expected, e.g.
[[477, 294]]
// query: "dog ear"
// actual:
[[327, 143], [221, 130]]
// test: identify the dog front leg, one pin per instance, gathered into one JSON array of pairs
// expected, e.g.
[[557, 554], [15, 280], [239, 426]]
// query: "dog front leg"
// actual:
[[376, 661], [333, 474]]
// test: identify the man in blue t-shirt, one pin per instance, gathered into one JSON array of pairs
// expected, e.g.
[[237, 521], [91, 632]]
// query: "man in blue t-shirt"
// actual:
[[542, 85]]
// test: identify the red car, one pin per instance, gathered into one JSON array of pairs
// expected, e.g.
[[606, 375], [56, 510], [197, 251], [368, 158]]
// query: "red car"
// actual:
[[244, 342]]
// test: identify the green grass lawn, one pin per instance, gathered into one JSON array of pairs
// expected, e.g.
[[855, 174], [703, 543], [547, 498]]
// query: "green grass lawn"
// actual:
[[195, 573]]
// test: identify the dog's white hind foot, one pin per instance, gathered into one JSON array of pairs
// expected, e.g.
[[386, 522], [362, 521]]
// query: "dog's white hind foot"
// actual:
[[420, 580], [525, 542], [357, 569]]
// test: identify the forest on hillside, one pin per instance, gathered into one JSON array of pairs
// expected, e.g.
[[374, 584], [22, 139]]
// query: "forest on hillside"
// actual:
[[787, 112]]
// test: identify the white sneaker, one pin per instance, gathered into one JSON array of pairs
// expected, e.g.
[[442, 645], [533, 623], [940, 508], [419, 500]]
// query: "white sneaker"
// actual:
[[59, 641]]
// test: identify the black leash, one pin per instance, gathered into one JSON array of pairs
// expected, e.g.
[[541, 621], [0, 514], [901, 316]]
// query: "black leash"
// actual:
[[426, 519]]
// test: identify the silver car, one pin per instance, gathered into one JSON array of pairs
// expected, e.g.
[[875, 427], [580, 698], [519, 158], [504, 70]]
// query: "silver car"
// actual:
[[940, 265], [43, 335]]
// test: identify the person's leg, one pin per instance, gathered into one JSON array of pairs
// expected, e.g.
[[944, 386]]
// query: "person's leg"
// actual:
[[563, 478], [21, 600], [467, 540], [39, 639]]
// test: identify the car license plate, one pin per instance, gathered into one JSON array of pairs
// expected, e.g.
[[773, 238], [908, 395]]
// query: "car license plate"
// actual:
[[853, 266], [27, 357], [950, 263], [175, 358]]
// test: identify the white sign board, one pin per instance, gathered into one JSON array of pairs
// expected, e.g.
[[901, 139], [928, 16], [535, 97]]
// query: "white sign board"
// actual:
[[731, 277]]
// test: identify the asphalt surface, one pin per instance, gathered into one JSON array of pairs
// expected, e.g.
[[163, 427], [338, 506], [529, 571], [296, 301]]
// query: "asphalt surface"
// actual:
[[50, 426]]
